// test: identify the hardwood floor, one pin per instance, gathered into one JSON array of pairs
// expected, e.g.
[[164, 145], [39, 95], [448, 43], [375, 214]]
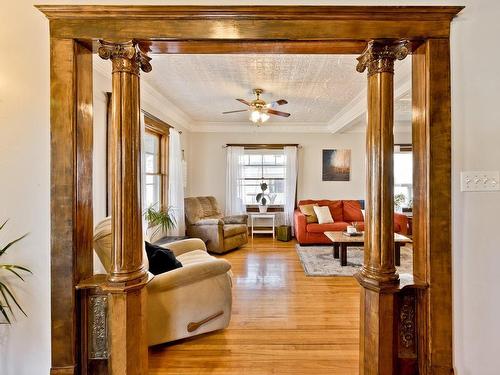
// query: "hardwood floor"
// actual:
[[283, 322]]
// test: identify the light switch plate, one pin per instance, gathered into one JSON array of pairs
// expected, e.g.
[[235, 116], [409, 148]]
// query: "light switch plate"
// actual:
[[480, 181]]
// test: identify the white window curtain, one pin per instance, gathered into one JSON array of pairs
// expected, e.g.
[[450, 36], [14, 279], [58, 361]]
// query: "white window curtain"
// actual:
[[290, 183], [234, 180], [176, 183]]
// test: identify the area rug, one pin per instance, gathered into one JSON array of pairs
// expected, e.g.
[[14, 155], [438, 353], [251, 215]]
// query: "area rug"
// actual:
[[319, 261]]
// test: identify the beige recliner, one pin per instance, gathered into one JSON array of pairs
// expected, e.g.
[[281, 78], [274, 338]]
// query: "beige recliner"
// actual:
[[184, 302], [205, 220]]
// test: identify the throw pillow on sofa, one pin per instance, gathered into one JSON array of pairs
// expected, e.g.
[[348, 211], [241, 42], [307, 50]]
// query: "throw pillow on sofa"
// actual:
[[323, 214], [308, 211], [160, 259]]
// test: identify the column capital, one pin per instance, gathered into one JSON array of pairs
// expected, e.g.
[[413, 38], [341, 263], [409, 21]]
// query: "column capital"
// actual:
[[380, 54], [126, 56]]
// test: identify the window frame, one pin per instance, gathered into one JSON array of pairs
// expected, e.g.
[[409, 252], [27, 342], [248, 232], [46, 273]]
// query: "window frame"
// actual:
[[405, 148], [262, 151], [155, 126]]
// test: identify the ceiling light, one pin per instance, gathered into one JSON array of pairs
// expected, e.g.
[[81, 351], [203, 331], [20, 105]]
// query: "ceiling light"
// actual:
[[257, 116]]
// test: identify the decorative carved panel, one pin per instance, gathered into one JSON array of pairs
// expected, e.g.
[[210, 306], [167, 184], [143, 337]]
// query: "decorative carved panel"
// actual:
[[407, 333], [98, 327]]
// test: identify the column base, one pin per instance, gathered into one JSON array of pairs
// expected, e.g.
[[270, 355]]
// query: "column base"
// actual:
[[378, 347], [128, 345]]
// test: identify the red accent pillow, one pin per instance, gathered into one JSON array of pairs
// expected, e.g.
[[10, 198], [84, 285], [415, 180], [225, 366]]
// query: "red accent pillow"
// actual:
[[352, 211]]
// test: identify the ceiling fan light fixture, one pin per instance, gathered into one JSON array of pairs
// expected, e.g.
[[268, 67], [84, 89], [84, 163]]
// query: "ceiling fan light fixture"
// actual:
[[257, 116], [264, 116]]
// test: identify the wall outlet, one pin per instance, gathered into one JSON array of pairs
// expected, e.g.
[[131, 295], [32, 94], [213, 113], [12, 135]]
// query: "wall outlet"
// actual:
[[480, 181]]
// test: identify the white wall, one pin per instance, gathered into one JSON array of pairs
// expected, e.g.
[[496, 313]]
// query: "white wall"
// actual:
[[25, 184], [207, 169], [207, 166]]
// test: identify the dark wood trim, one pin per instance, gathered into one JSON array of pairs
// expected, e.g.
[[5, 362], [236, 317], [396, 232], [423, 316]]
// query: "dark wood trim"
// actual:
[[432, 204], [256, 46], [71, 194], [108, 157], [270, 146], [162, 130], [348, 12]]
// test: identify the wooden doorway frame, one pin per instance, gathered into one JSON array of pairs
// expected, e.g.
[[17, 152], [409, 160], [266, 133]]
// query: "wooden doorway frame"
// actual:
[[74, 31]]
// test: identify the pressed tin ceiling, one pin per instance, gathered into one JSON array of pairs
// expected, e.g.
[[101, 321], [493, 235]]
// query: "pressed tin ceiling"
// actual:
[[317, 87], [203, 86]]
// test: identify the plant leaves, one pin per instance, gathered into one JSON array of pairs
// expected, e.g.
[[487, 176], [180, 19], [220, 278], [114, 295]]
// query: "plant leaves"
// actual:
[[258, 197], [263, 201], [6, 289], [5, 222], [5, 315], [2, 251]]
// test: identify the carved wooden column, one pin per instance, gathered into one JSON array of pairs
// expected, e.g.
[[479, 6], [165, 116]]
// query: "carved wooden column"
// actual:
[[378, 276], [128, 274]]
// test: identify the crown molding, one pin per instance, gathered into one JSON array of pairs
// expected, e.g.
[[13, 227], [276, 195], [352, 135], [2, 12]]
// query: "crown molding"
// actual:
[[357, 106], [248, 127]]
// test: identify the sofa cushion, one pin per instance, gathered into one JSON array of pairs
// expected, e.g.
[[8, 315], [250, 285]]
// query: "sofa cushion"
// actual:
[[352, 211], [161, 259], [323, 213], [234, 229], [334, 205], [320, 228], [308, 211]]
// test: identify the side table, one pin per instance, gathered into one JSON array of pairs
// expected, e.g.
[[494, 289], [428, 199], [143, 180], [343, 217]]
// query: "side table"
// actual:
[[271, 217]]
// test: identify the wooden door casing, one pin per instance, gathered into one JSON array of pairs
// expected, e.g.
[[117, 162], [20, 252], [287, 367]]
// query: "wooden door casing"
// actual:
[[196, 29]]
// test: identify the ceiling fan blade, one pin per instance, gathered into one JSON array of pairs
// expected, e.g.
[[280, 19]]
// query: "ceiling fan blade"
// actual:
[[276, 103], [243, 101], [278, 113], [280, 102], [240, 110]]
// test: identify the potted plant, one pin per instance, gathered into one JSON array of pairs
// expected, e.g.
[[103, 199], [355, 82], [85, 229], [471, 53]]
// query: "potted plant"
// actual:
[[159, 219], [262, 198], [7, 299], [399, 201]]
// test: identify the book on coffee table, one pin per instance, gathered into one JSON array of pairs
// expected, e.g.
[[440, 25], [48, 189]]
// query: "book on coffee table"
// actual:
[[356, 234]]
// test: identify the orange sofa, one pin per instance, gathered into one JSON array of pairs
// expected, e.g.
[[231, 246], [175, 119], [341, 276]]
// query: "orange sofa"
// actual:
[[344, 213]]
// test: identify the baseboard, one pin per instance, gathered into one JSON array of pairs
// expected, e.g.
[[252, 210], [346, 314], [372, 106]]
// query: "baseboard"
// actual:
[[66, 370]]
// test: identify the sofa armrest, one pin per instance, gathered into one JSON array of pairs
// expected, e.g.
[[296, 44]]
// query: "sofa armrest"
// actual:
[[209, 222], [189, 274], [402, 220], [184, 246], [300, 225], [236, 219], [300, 218]]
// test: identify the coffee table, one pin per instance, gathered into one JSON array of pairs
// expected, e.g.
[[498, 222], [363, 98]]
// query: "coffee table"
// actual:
[[342, 242]]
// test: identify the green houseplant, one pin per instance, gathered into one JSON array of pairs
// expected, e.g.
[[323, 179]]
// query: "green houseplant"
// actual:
[[7, 298], [160, 219], [263, 198], [399, 201]]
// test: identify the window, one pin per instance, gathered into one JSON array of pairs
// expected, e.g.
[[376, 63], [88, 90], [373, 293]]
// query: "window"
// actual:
[[152, 157], [155, 152], [264, 166], [403, 175]]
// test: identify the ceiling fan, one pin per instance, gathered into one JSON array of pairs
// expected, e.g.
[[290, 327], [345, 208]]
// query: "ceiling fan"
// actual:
[[260, 111]]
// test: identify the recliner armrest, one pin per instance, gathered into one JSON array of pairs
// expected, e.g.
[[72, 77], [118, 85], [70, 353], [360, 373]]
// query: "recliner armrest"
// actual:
[[209, 222], [236, 219], [184, 246], [188, 275]]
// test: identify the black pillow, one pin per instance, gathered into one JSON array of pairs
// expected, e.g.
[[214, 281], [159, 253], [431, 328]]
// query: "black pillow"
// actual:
[[160, 259]]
